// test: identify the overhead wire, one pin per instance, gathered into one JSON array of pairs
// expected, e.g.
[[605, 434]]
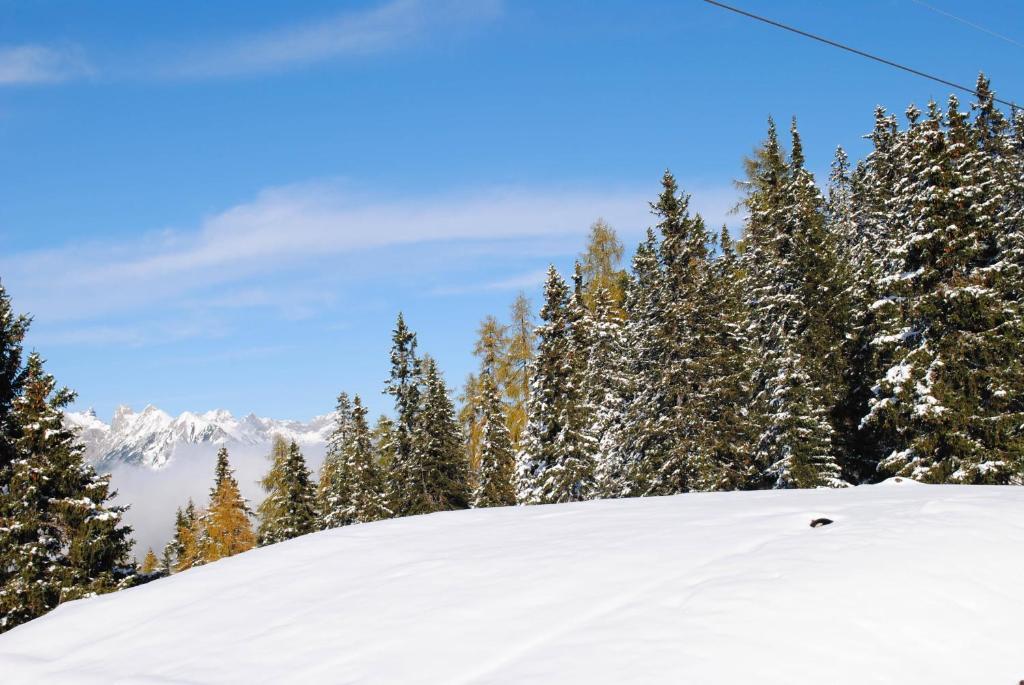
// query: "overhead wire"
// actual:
[[847, 48], [967, 22]]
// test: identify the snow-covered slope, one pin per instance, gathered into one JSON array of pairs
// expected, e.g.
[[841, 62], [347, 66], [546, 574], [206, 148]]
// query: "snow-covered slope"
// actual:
[[151, 437], [910, 584]]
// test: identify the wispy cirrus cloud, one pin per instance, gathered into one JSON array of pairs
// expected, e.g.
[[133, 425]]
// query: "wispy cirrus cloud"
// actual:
[[292, 250], [378, 29], [294, 229], [33, 64], [354, 33]]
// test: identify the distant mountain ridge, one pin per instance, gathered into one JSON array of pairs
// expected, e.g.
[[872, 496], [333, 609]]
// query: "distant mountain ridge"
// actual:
[[149, 438]]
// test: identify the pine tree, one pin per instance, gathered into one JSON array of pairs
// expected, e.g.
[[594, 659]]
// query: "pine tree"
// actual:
[[288, 510], [496, 478], [438, 472], [60, 538], [226, 526]]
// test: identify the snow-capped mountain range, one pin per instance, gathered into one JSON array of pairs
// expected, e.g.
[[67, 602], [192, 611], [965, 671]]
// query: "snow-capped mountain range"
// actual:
[[149, 438]]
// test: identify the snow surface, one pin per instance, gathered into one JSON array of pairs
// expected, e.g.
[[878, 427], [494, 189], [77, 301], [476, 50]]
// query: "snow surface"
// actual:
[[910, 584]]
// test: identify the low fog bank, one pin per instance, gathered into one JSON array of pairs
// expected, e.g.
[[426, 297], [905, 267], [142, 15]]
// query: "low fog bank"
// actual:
[[153, 495]]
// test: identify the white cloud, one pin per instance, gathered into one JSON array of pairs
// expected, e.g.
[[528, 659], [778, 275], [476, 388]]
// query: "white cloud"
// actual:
[[28, 64], [294, 228], [520, 282], [378, 29]]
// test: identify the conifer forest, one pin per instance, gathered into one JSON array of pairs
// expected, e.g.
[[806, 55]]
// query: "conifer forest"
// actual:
[[863, 326]]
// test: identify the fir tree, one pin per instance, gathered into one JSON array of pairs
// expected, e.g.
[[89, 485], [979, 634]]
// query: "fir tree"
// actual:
[[226, 526], [288, 510]]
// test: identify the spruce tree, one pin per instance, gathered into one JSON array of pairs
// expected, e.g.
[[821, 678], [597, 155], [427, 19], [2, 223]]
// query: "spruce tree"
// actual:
[[606, 385], [12, 375], [60, 538], [948, 403], [227, 529], [363, 484], [288, 510], [183, 549], [404, 385], [496, 478], [556, 461], [332, 488], [725, 460], [798, 314], [384, 444], [437, 470], [644, 435]]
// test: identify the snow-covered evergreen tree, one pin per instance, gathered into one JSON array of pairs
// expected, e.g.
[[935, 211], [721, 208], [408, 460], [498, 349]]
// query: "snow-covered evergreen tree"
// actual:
[[359, 474], [948, 401], [495, 486], [556, 462], [288, 510], [404, 385], [60, 537], [798, 315], [437, 470], [644, 434], [332, 488], [12, 375]]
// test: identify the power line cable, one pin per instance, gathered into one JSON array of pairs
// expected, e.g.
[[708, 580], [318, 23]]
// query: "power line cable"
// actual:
[[855, 51], [979, 27]]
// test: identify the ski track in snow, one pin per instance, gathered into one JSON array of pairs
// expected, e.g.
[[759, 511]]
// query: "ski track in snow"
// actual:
[[910, 584]]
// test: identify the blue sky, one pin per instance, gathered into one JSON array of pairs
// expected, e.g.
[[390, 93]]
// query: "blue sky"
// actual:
[[225, 204]]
